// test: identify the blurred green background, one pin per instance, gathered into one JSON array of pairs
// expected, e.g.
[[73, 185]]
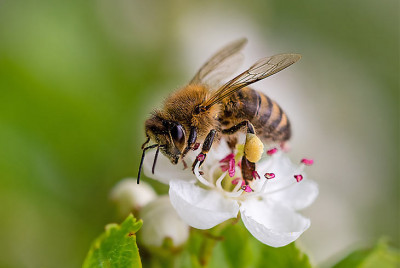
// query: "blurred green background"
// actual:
[[78, 79]]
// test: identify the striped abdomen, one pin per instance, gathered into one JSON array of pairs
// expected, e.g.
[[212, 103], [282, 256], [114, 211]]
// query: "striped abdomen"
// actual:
[[269, 120]]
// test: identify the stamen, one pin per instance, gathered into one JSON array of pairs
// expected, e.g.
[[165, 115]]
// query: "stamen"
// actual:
[[307, 162], [218, 183], [236, 181], [224, 168], [269, 176], [231, 169], [298, 178], [235, 193], [212, 171], [255, 175], [227, 158], [259, 192], [272, 151], [247, 189], [200, 177]]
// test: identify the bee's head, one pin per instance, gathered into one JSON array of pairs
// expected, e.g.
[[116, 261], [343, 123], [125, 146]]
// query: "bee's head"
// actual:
[[170, 136]]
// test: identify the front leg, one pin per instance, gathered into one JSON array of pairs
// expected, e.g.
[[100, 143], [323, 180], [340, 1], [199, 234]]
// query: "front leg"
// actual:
[[191, 141], [206, 147]]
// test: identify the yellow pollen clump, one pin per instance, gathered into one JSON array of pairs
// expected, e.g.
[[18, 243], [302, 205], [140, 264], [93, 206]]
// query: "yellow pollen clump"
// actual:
[[253, 148]]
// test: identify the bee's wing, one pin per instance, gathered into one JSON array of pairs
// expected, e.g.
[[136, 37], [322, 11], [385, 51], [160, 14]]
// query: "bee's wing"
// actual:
[[258, 71], [221, 64]]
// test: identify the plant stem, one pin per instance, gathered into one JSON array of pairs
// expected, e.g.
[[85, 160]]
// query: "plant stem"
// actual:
[[210, 239], [206, 250]]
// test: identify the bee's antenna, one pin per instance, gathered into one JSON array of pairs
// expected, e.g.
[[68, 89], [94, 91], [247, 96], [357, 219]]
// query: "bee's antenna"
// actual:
[[155, 160], [141, 160], [146, 142]]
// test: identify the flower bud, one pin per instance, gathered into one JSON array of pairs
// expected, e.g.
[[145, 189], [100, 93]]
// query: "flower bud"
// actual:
[[131, 196], [160, 221], [253, 148]]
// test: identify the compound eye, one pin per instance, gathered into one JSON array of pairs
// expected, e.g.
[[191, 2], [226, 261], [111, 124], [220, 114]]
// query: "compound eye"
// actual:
[[177, 134]]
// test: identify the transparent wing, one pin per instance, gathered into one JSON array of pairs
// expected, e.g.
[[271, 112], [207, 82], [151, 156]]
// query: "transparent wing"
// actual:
[[221, 65], [258, 71]]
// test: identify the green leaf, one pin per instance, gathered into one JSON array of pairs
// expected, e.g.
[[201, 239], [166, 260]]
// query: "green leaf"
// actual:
[[380, 256], [237, 247], [116, 247], [243, 250], [287, 256]]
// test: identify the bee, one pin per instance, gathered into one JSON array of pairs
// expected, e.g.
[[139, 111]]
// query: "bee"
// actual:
[[202, 112]]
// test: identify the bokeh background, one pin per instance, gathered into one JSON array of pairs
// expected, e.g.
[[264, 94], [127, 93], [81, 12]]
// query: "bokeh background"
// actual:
[[78, 79]]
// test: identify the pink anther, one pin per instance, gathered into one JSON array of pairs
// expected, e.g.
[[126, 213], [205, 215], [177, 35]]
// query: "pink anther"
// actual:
[[201, 157], [272, 151], [231, 170], [269, 176], [255, 175], [307, 162], [227, 158], [298, 178], [224, 167], [237, 180], [247, 189]]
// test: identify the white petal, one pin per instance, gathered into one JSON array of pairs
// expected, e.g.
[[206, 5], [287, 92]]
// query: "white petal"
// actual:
[[283, 188], [271, 223], [130, 195], [165, 171], [200, 208], [298, 196], [161, 221], [281, 166]]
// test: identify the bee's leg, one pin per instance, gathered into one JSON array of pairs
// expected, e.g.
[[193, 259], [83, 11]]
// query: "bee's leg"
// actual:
[[191, 140], [206, 147], [248, 167], [236, 128]]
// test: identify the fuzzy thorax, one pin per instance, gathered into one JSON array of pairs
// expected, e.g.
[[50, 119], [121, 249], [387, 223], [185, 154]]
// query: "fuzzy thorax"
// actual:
[[181, 106]]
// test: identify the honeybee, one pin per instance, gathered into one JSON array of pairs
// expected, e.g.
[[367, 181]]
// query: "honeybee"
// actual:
[[201, 113]]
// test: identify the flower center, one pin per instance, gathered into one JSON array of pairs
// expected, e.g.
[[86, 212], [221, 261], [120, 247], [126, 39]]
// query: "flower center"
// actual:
[[221, 177]]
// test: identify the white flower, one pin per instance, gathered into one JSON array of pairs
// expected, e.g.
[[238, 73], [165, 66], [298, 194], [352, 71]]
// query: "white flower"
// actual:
[[267, 206], [160, 221], [131, 196]]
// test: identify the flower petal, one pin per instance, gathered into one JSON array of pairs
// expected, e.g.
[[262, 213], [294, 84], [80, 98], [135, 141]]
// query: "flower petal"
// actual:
[[200, 208], [130, 195], [271, 223], [298, 196], [162, 221], [165, 171], [281, 166]]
